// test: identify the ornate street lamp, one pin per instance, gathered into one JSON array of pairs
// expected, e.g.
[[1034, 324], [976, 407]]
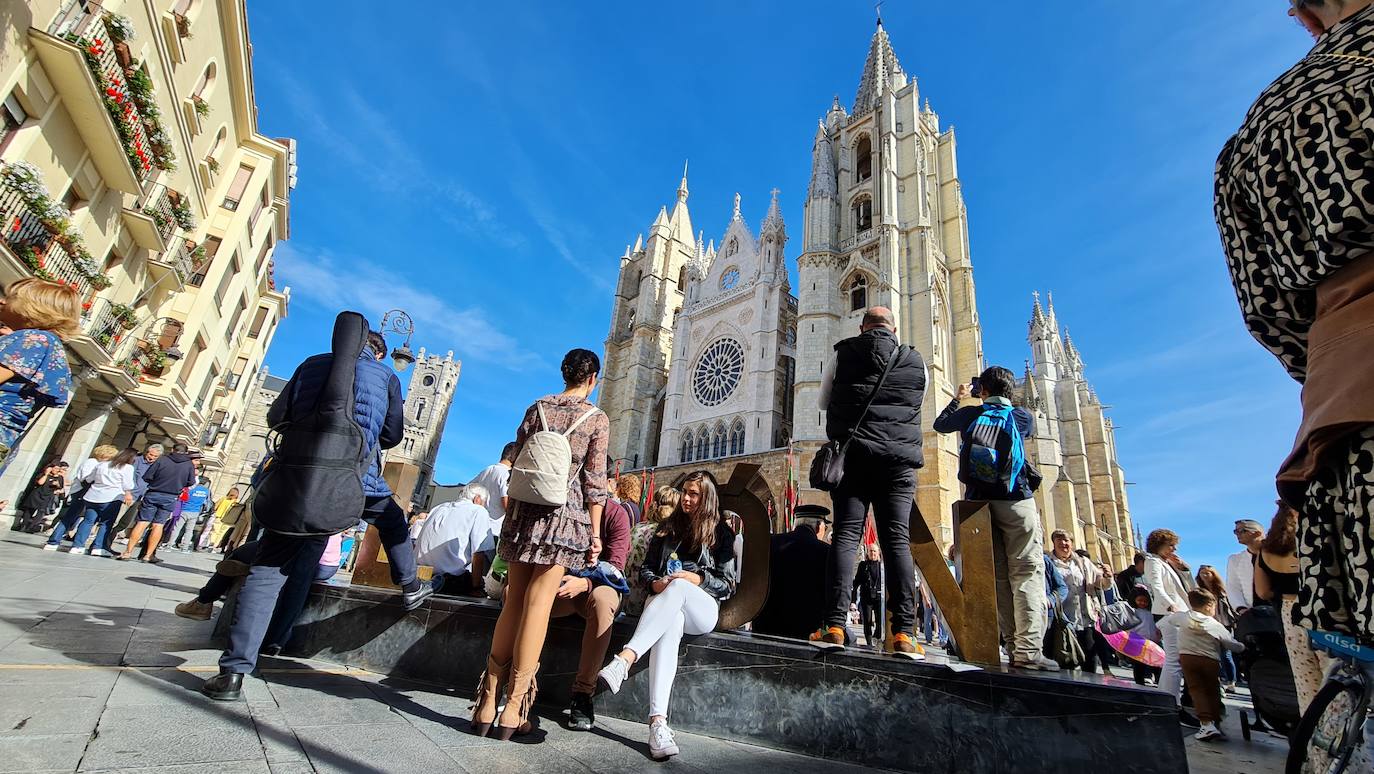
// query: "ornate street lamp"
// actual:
[[397, 321]]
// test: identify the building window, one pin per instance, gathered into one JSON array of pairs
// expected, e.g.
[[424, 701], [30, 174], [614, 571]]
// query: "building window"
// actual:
[[863, 160], [858, 293], [420, 410], [235, 193], [718, 442], [703, 444], [428, 381], [737, 438], [189, 363], [207, 81], [235, 376], [686, 455], [682, 279], [258, 320], [229, 273], [13, 116], [718, 372], [211, 245], [863, 215], [238, 315]]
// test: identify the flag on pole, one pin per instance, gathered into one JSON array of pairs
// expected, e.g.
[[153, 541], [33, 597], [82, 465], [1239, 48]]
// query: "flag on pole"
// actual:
[[648, 488], [870, 532], [789, 494]]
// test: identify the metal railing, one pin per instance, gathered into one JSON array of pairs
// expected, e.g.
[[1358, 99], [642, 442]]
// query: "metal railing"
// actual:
[[21, 225], [59, 265], [107, 330], [159, 208], [179, 257], [83, 24]]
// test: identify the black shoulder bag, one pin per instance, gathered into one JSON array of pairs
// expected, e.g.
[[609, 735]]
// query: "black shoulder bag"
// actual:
[[828, 466], [314, 485]]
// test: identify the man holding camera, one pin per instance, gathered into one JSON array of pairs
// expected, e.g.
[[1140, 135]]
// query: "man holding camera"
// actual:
[[994, 469]]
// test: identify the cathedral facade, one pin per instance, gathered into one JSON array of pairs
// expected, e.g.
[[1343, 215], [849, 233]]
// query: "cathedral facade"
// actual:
[[710, 356]]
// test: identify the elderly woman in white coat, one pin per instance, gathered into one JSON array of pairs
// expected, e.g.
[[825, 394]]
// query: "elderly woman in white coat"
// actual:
[[1170, 595]]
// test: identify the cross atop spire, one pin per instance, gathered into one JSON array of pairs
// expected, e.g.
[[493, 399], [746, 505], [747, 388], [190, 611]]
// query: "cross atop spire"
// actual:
[[878, 11], [773, 220]]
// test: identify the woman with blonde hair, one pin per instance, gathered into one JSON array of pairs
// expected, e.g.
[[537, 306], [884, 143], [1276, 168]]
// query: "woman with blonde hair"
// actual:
[[628, 490], [76, 513], [36, 315]]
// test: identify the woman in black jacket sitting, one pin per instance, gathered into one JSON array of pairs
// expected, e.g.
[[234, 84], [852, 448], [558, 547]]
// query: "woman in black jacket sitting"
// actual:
[[690, 569]]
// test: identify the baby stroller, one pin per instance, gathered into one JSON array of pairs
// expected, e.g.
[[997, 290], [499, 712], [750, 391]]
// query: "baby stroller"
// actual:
[[1265, 660]]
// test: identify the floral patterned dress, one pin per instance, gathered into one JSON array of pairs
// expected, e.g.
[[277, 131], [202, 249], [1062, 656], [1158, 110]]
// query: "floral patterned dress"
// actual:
[[41, 378], [538, 534]]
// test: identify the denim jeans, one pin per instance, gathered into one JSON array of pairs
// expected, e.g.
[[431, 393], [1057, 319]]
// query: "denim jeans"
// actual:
[[73, 513], [889, 490], [105, 515]]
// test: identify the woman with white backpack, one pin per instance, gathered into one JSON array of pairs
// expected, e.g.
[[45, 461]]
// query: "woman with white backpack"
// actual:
[[557, 490]]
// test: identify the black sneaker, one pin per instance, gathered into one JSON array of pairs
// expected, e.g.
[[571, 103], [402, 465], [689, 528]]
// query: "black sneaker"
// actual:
[[581, 713], [1188, 721]]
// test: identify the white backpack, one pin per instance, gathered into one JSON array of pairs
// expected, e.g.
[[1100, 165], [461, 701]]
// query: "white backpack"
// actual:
[[540, 474]]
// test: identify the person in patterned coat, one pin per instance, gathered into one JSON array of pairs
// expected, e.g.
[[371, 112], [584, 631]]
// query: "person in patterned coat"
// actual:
[[1295, 207]]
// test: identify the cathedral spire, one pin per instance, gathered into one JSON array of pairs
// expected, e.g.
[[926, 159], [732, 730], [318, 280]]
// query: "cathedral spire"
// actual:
[[824, 181], [882, 72], [1039, 325], [682, 187], [772, 222]]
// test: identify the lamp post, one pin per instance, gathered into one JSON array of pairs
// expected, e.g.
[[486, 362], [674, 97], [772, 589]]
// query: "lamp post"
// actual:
[[397, 321]]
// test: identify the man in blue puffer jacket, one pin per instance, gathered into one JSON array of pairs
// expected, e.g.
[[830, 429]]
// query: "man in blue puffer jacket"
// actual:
[[378, 408]]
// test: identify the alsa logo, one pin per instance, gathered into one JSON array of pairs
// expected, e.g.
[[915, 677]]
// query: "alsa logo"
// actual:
[[1343, 644]]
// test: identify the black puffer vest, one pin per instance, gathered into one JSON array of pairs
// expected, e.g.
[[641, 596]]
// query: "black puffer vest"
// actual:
[[892, 430]]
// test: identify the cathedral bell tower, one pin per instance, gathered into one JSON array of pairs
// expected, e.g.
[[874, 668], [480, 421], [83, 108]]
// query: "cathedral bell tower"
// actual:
[[638, 347], [885, 225]]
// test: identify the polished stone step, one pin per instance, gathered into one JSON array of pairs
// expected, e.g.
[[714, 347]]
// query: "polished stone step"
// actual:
[[859, 707]]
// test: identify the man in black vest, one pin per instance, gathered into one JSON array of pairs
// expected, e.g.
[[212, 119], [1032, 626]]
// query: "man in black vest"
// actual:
[[879, 471]]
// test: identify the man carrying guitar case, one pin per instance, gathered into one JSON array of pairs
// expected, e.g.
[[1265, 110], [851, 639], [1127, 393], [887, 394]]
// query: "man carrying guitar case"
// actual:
[[331, 423]]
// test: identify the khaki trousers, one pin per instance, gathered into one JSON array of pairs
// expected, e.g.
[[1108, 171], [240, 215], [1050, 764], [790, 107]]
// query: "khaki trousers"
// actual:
[[1203, 676], [598, 607], [1018, 555]]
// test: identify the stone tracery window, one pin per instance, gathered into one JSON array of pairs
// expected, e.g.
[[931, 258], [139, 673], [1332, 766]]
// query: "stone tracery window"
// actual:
[[718, 372], [863, 214], [857, 291], [703, 444], [686, 447], [863, 160], [737, 438], [718, 442]]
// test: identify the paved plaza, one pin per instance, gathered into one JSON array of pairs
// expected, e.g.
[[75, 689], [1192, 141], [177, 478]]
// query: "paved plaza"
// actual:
[[98, 674]]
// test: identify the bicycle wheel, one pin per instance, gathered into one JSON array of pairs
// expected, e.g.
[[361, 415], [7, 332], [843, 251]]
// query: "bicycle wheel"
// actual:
[[1323, 741]]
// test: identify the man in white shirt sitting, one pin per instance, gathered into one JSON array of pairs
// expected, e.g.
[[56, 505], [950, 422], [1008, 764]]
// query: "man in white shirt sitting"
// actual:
[[496, 479], [452, 535], [1240, 566]]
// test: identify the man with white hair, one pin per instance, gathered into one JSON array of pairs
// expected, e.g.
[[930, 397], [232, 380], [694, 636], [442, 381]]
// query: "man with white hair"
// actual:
[[452, 534]]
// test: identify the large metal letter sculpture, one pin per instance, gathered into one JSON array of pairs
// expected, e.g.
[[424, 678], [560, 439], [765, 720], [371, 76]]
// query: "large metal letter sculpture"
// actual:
[[970, 609]]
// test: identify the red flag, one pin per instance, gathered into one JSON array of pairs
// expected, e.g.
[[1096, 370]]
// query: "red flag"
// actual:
[[870, 532]]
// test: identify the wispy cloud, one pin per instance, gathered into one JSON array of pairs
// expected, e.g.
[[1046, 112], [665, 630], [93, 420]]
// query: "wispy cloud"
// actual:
[[335, 283], [391, 164]]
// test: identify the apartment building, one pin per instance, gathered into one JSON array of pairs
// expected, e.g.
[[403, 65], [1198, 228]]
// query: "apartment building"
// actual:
[[132, 167]]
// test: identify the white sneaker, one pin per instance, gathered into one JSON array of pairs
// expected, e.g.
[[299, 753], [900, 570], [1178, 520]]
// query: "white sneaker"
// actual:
[[100, 552], [1208, 732], [615, 673], [50, 547], [661, 743], [77, 551]]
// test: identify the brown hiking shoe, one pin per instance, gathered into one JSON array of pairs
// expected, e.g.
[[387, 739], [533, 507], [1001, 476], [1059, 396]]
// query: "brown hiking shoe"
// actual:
[[196, 610], [828, 638], [903, 645], [232, 568]]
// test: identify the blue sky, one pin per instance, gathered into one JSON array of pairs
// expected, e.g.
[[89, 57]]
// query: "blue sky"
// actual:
[[483, 166]]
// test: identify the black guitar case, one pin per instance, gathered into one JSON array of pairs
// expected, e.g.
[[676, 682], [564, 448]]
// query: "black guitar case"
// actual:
[[314, 485]]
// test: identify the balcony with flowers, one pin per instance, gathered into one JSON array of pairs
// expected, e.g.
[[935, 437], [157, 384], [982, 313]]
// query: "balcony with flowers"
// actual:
[[86, 55], [106, 335], [163, 212], [37, 232]]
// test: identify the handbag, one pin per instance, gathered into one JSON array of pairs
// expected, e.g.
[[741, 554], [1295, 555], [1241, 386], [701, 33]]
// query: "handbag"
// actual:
[[827, 468], [1061, 643]]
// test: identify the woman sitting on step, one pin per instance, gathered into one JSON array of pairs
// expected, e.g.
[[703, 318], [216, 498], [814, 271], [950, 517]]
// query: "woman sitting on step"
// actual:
[[690, 569]]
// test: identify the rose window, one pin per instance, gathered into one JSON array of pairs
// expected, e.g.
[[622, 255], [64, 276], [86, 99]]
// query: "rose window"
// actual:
[[718, 372]]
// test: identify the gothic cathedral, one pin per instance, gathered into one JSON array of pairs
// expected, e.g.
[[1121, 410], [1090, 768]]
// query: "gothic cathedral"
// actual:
[[711, 357], [427, 401]]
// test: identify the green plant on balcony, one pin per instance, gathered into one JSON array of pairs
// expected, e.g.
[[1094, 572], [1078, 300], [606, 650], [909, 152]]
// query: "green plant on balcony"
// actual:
[[159, 217], [121, 27], [25, 178], [181, 212], [202, 107], [108, 338], [212, 163], [100, 281], [198, 255], [183, 25], [124, 315], [131, 367], [155, 360]]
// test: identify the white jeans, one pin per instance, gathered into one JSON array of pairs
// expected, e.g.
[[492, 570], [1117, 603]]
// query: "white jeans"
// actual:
[[682, 608], [1171, 676]]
